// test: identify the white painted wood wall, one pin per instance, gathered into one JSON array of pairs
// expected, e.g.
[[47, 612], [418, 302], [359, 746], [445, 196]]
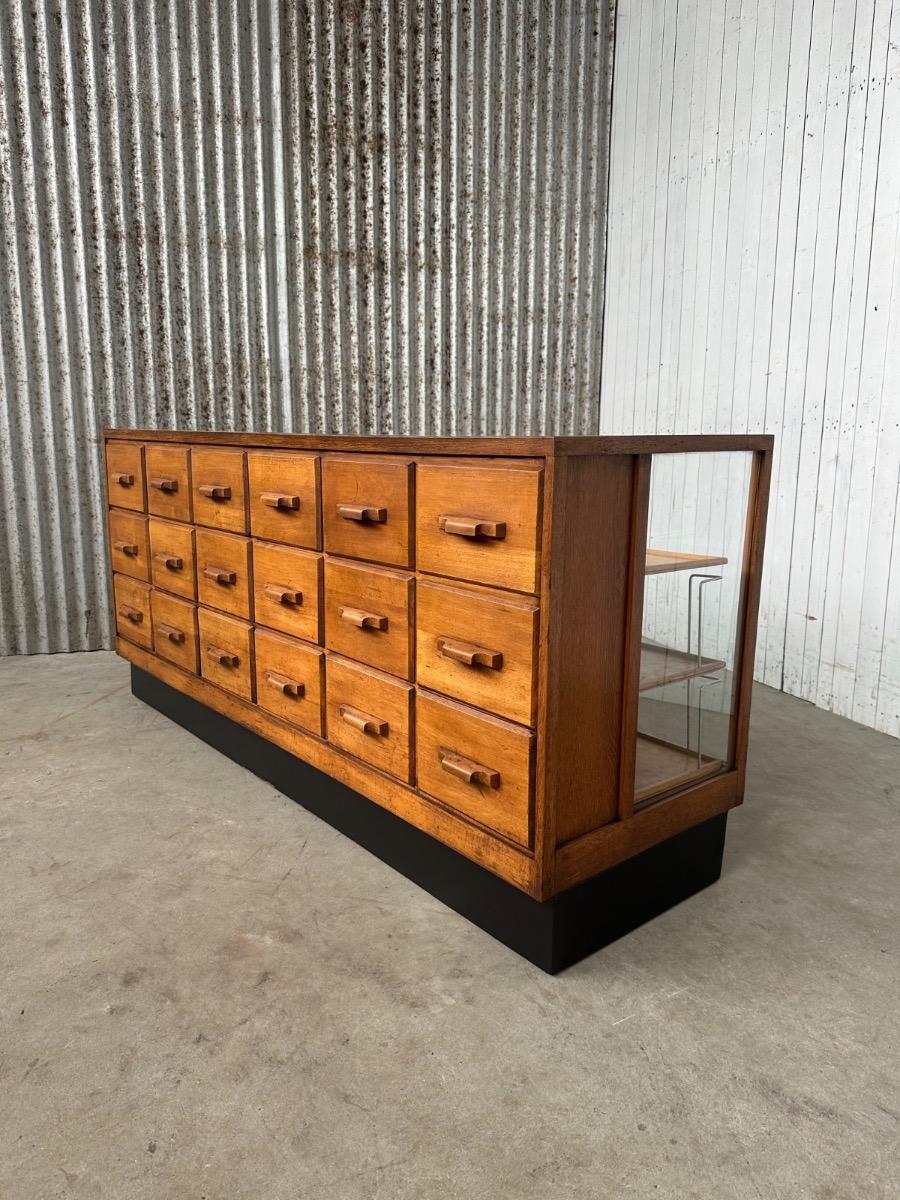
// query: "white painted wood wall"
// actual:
[[754, 285]]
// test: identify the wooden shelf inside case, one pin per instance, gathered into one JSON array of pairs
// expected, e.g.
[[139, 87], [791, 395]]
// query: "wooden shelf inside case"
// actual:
[[663, 562], [661, 665], [662, 767]]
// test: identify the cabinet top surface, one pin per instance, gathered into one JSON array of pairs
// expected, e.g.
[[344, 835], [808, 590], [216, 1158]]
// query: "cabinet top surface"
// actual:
[[549, 447]]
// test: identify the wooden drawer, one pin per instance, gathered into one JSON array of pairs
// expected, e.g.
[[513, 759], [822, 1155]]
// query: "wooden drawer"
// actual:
[[369, 715], [132, 603], [480, 522], [368, 615], [128, 546], [287, 589], [223, 571], [125, 475], [226, 652], [175, 630], [169, 481], [367, 508], [477, 764], [172, 558], [218, 488], [290, 680], [284, 497], [478, 646]]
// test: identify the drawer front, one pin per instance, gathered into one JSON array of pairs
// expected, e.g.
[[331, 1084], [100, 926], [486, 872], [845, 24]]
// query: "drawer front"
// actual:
[[287, 588], [175, 630], [125, 475], [172, 558], [226, 652], [132, 604], [367, 508], [129, 549], [478, 647], [478, 765], [169, 481], [284, 497], [367, 615], [218, 488], [223, 571], [290, 679], [480, 523], [370, 716]]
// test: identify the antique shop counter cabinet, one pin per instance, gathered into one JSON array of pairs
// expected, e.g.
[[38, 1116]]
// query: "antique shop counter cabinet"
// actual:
[[516, 669]]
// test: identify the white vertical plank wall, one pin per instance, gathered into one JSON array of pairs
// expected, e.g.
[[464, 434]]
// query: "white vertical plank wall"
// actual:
[[753, 284]]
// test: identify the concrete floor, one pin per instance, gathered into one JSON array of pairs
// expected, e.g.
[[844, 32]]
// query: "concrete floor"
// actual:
[[207, 994]]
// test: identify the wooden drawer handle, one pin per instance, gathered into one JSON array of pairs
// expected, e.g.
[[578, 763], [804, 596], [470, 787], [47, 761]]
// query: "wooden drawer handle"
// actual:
[[170, 632], [468, 770], [362, 619], [127, 548], [288, 687], [223, 657], [123, 478], [280, 500], [215, 491], [368, 514], [131, 614], [172, 561], [473, 527], [364, 722], [165, 485], [220, 574], [283, 595], [469, 654]]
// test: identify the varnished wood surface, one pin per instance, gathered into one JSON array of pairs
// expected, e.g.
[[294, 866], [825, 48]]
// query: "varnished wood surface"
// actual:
[[290, 680], [281, 574], [218, 632], [219, 468], [129, 546], [131, 600], [289, 478], [224, 571], [384, 488], [499, 495], [665, 562], [175, 635], [172, 557], [446, 730], [125, 475], [451, 617], [387, 701], [386, 597], [661, 665], [510, 863], [168, 471]]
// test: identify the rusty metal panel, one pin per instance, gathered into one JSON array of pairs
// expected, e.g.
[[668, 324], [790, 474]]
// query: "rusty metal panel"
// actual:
[[240, 214]]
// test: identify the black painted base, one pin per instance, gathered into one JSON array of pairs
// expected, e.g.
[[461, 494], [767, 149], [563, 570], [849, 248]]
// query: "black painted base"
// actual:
[[552, 935]]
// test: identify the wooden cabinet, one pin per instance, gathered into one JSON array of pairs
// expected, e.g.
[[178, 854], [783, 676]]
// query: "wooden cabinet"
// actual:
[[536, 651]]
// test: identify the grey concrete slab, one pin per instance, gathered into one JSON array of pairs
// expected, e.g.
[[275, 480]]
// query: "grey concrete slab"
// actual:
[[209, 994]]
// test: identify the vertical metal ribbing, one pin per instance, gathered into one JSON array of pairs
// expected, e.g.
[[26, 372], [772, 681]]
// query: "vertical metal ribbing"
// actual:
[[316, 216]]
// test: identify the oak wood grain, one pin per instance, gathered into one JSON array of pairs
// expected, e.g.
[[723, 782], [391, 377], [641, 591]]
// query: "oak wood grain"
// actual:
[[224, 578], [290, 680], [478, 646], [287, 590], [125, 475], [172, 558], [284, 498], [129, 546], [175, 635], [218, 632], [131, 602], [219, 488], [369, 615], [367, 508], [386, 702], [169, 481]]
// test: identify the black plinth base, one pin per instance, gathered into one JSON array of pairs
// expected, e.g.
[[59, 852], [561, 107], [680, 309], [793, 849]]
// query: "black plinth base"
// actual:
[[552, 935]]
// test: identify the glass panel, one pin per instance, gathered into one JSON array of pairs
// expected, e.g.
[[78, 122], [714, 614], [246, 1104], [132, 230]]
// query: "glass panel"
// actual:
[[693, 593]]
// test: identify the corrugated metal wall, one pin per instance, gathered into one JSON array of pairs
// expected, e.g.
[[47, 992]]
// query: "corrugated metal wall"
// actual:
[[237, 214], [754, 284]]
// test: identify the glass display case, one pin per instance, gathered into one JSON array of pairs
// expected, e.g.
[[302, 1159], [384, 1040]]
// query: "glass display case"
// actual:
[[694, 591]]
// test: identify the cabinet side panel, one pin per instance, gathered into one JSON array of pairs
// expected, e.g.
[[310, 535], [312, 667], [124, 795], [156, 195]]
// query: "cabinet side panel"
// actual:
[[589, 594]]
